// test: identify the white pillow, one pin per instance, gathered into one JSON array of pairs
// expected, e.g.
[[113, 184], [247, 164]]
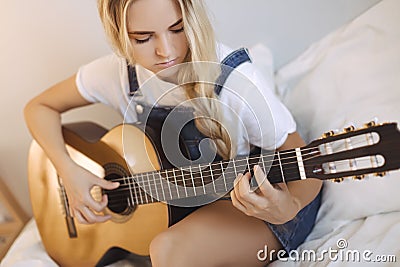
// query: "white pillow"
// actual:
[[349, 77]]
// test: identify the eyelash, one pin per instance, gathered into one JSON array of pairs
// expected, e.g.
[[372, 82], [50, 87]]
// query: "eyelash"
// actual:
[[146, 40], [178, 30], [142, 41]]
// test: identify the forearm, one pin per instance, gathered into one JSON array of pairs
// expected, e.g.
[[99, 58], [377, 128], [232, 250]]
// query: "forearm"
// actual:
[[44, 124], [43, 118]]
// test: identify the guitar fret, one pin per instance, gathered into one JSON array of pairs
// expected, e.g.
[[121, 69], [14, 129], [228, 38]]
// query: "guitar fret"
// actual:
[[223, 176], [281, 167], [168, 183], [193, 183], [162, 186], [248, 164], [176, 182], [140, 190], [183, 181], [155, 186], [212, 178], [263, 163], [202, 179], [144, 188], [234, 167], [130, 191]]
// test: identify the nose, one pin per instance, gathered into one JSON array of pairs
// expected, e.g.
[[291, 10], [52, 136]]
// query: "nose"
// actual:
[[163, 47]]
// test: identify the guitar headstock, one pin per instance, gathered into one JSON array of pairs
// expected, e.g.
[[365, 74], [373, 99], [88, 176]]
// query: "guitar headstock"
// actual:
[[372, 149]]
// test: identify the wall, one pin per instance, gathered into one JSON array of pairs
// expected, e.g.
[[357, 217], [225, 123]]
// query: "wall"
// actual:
[[45, 41], [287, 27]]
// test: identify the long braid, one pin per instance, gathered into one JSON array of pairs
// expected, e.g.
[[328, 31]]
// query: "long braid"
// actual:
[[202, 45]]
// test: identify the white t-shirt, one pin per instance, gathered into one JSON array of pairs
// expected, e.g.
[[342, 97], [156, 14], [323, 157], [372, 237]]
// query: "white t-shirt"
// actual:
[[252, 113]]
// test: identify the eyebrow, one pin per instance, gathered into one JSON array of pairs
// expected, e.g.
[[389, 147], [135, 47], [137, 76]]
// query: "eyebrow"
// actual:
[[150, 32]]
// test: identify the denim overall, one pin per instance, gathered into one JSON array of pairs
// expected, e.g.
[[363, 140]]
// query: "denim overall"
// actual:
[[292, 233]]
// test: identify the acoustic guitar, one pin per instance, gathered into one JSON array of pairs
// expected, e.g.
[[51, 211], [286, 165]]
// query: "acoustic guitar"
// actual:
[[150, 197]]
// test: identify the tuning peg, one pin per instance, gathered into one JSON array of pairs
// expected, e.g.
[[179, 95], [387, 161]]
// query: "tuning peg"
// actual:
[[371, 123], [330, 133], [358, 177], [327, 134], [380, 174], [338, 180], [349, 129]]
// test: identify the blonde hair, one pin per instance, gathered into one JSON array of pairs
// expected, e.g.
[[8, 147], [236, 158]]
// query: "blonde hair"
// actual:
[[195, 79]]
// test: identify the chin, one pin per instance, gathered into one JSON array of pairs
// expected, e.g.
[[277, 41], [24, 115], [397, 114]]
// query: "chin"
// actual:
[[168, 73]]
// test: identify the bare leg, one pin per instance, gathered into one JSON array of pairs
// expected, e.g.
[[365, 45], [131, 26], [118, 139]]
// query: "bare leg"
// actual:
[[215, 235]]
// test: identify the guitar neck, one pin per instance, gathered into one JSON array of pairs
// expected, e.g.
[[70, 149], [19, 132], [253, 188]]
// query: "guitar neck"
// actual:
[[215, 178]]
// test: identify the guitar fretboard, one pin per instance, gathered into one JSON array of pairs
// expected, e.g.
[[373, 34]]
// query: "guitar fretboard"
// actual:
[[216, 178]]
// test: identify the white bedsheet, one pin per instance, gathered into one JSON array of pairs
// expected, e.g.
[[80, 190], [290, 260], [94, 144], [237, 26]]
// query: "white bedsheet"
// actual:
[[350, 77], [373, 236], [373, 240], [28, 251]]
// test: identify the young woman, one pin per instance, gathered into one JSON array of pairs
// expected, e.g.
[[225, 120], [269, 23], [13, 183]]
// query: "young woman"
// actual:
[[149, 37]]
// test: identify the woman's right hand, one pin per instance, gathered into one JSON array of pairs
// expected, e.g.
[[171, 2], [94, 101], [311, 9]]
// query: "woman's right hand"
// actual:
[[43, 118], [78, 182]]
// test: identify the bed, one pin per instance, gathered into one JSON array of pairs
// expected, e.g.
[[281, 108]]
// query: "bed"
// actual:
[[349, 77]]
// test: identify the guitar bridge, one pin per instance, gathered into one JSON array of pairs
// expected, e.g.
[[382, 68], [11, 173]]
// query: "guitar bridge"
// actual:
[[69, 220]]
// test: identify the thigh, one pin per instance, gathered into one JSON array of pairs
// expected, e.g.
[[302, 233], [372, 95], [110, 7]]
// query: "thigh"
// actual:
[[215, 235]]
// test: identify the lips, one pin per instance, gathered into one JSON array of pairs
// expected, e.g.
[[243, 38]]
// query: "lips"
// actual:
[[167, 64]]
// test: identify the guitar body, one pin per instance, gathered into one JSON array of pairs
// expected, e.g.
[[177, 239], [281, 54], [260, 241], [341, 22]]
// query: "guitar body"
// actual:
[[95, 148]]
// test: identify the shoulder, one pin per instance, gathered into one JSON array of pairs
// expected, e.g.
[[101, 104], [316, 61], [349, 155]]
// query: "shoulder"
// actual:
[[250, 70], [246, 76], [101, 75], [223, 51], [103, 70], [108, 64]]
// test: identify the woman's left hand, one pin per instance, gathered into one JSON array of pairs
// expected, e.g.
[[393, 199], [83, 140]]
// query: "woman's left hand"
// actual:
[[274, 204]]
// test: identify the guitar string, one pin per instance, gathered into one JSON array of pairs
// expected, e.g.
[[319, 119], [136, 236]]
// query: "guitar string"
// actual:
[[153, 195], [261, 157], [123, 187], [246, 159], [191, 168], [141, 200], [206, 168], [121, 191], [167, 195], [159, 186], [191, 187]]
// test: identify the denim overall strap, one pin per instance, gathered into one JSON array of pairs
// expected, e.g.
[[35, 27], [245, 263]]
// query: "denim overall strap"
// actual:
[[232, 61], [133, 82]]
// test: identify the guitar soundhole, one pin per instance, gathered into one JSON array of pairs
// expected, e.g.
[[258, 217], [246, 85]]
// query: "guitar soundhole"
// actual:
[[119, 200]]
